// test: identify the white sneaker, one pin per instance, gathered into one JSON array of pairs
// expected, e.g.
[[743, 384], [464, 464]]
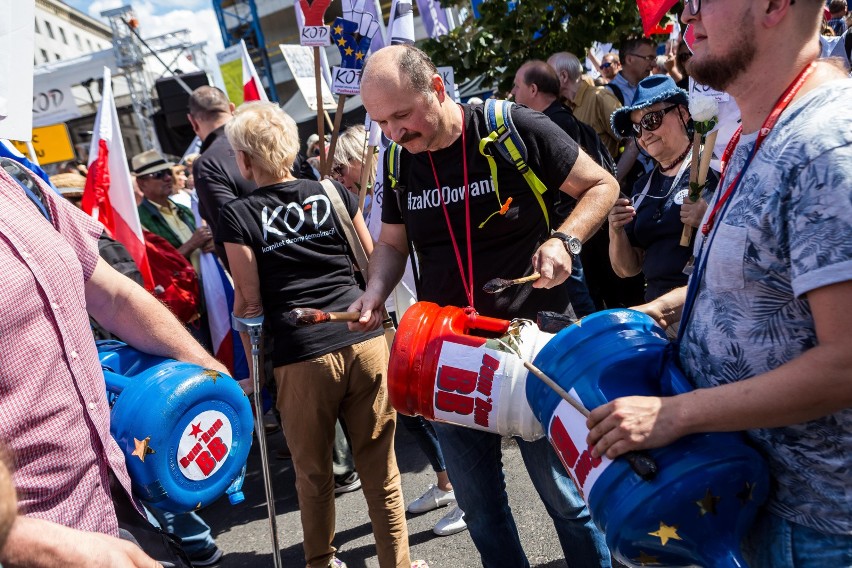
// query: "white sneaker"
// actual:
[[451, 523], [431, 500]]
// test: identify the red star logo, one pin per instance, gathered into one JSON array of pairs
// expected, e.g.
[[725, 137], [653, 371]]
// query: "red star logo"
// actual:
[[196, 430]]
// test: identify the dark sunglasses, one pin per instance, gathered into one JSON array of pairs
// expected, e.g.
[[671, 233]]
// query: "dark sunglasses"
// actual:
[[156, 175], [606, 65], [651, 121], [648, 58]]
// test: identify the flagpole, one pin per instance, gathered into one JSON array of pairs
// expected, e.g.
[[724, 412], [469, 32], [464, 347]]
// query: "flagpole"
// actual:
[[320, 111], [338, 119]]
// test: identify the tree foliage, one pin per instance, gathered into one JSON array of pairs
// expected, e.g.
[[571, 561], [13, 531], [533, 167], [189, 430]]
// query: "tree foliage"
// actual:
[[497, 43]]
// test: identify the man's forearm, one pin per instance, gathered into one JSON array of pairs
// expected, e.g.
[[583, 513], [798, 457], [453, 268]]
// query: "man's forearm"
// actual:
[[591, 210], [387, 266]]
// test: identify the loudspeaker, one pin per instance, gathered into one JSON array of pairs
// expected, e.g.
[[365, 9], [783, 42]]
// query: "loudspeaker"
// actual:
[[173, 140], [174, 100]]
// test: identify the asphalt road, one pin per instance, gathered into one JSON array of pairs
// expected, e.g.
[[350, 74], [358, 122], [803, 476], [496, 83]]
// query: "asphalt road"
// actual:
[[242, 531]]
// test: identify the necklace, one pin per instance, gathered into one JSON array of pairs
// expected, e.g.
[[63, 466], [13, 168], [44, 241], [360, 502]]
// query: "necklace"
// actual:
[[677, 160]]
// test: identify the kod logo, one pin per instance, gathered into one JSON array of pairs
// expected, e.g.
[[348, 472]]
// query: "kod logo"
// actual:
[[204, 445]]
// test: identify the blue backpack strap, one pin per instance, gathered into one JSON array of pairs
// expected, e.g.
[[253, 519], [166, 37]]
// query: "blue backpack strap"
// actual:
[[504, 137]]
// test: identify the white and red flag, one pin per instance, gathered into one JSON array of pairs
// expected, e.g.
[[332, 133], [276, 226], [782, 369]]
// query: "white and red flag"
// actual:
[[252, 87], [108, 196], [651, 12]]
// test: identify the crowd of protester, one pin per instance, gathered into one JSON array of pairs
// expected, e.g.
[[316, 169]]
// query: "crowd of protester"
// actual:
[[616, 150]]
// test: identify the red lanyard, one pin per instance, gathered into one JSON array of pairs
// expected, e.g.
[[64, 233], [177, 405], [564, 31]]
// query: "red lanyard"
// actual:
[[765, 130], [467, 283]]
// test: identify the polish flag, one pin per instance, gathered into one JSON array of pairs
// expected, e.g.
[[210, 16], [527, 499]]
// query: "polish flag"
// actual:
[[651, 12], [108, 196], [252, 87], [218, 293]]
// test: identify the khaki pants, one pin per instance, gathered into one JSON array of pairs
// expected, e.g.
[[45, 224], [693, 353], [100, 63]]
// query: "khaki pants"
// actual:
[[350, 382]]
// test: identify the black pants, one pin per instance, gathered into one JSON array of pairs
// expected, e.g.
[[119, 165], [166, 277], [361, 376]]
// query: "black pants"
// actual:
[[159, 545]]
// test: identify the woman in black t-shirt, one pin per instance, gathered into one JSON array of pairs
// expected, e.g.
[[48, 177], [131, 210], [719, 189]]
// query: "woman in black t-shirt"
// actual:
[[644, 231], [287, 249]]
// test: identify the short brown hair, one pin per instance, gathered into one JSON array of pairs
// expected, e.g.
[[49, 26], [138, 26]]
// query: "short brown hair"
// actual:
[[208, 103], [543, 76]]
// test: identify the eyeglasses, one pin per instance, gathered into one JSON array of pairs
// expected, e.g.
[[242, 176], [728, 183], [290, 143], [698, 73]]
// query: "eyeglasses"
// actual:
[[337, 171], [606, 65], [651, 121], [156, 175], [694, 6], [648, 58]]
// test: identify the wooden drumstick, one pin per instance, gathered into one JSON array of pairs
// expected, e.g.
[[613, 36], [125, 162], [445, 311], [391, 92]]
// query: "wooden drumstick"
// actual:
[[300, 317], [499, 284]]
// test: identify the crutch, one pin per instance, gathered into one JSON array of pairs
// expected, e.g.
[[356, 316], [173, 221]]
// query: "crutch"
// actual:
[[254, 328]]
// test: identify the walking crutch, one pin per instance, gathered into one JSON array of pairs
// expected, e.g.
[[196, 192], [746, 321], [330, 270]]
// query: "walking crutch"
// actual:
[[254, 328]]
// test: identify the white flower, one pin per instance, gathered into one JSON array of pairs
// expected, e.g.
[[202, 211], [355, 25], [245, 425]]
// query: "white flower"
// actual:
[[702, 108]]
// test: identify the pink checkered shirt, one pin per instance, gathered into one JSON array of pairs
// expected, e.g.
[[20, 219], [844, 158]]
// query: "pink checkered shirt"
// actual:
[[54, 415]]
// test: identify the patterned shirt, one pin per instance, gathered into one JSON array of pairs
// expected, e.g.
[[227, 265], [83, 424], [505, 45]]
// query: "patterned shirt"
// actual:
[[54, 416], [787, 231]]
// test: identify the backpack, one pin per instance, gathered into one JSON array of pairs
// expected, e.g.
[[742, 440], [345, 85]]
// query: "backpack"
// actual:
[[594, 147], [503, 138], [616, 91]]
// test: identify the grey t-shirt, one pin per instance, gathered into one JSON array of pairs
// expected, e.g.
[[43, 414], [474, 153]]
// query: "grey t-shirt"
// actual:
[[786, 232]]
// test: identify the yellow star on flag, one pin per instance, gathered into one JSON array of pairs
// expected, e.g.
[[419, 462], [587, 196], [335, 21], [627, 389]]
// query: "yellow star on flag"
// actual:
[[212, 374], [142, 448], [348, 51], [645, 559], [707, 504], [666, 533], [359, 55], [341, 42], [338, 29]]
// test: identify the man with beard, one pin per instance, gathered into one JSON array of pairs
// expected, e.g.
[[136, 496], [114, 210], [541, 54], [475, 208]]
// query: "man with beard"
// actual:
[[466, 233], [764, 322]]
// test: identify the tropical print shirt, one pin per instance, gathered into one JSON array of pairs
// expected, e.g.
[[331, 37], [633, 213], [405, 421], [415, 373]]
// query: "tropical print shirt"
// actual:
[[786, 232]]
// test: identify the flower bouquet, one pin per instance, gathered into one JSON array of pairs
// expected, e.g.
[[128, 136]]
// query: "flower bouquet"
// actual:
[[704, 111]]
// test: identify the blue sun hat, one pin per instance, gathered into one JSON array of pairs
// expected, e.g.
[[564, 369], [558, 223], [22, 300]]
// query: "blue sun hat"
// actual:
[[651, 90]]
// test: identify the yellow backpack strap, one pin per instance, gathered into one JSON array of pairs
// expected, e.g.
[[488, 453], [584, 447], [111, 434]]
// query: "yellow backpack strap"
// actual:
[[392, 155], [503, 137]]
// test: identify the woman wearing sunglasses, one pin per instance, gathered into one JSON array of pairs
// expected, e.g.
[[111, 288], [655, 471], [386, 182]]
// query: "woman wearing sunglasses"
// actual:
[[644, 231]]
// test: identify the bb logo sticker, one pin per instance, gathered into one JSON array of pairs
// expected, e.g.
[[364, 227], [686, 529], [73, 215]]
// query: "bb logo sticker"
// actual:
[[204, 445], [680, 196]]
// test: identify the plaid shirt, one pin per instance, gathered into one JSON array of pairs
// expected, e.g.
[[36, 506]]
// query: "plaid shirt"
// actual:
[[54, 415]]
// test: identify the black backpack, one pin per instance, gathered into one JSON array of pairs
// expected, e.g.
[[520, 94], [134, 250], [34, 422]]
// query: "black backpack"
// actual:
[[591, 143]]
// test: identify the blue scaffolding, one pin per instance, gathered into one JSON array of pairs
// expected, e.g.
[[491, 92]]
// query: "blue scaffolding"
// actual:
[[238, 20]]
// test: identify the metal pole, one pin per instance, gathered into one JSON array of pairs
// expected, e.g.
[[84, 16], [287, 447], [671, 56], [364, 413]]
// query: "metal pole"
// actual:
[[254, 328]]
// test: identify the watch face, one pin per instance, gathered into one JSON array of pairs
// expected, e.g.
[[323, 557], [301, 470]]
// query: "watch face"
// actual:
[[575, 245]]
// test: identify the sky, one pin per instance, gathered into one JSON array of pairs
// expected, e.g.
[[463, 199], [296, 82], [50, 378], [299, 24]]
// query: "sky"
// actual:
[[157, 17]]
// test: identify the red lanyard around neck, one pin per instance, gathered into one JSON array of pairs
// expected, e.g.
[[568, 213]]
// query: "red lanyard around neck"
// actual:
[[467, 282], [765, 130]]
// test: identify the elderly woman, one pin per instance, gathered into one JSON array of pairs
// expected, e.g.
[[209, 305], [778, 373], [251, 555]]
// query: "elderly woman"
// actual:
[[348, 162], [644, 231], [286, 248]]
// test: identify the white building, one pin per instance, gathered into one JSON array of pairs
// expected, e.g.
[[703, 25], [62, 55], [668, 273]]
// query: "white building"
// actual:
[[61, 32]]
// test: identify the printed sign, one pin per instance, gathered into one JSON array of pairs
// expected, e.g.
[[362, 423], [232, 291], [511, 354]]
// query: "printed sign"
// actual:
[[52, 144], [204, 445], [300, 60], [345, 81], [449, 81], [567, 434], [315, 36], [53, 106], [467, 385]]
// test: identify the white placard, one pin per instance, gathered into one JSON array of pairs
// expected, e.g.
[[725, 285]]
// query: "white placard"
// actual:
[[54, 106], [567, 433], [315, 36], [345, 81], [16, 69], [467, 385], [449, 81], [300, 60]]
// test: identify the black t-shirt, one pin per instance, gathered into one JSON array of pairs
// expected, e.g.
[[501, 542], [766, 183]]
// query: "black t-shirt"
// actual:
[[302, 260], [504, 246], [657, 228]]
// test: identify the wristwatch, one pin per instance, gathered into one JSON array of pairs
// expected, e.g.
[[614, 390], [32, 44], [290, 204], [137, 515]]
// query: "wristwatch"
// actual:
[[572, 244]]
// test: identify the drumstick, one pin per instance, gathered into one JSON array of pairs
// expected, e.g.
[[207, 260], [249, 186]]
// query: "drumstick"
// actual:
[[300, 317], [640, 462], [499, 284]]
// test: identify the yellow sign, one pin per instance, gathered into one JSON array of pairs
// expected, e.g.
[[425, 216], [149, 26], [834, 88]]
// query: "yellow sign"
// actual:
[[52, 144]]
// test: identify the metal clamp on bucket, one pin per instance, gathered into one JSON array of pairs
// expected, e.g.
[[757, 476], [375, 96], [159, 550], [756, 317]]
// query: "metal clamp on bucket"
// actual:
[[185, 431], [254, 328]]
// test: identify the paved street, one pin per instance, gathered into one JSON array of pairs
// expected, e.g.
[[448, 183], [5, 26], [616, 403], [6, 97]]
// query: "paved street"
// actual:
[[242, 530]]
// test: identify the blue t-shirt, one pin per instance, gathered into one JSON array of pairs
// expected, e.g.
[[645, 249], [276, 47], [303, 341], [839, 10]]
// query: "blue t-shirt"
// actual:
[[787, 231]]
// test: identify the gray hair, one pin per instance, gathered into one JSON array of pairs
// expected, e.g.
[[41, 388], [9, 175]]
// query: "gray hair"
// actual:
[[568, 62], [350, 145]]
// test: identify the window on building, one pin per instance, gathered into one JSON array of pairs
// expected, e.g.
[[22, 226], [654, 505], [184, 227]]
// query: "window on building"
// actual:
[[49, 29], [89, 42], [62, 35], [77, 41], [58, 57], [44, 55], [37, 30]]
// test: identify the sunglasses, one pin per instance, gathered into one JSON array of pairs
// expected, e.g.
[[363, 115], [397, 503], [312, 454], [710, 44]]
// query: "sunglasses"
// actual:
[[606, 65], [156, 175], [651, 121], [648, 58]]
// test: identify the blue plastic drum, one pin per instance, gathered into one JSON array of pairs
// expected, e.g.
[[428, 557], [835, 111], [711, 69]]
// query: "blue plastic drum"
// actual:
[[709, 486], [185, 431]]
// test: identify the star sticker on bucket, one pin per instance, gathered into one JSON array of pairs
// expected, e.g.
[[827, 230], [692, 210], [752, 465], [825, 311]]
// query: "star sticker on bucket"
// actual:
[[708, 503], [196, 430], [666, 533], [212, 374], [142, 448], [747, 494], [645, 559]]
